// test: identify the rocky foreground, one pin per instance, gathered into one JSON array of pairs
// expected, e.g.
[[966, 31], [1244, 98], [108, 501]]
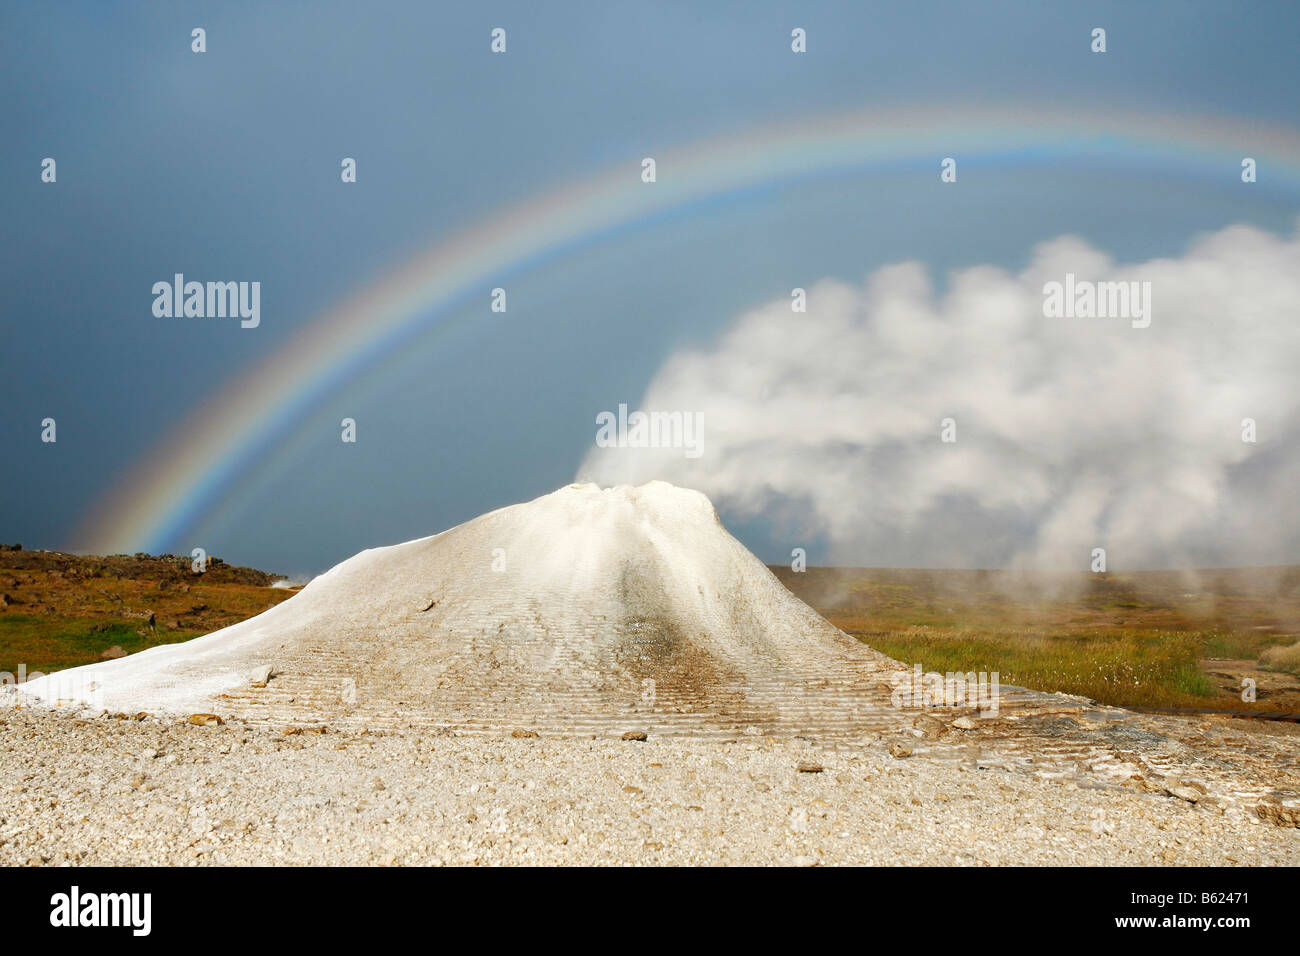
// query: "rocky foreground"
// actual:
[[115, 790]]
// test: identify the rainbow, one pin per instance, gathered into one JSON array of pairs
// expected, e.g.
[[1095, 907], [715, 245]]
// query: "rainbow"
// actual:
[[186, 477]]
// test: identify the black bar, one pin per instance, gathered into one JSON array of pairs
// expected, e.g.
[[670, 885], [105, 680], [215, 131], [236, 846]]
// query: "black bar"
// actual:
[[291, 905]]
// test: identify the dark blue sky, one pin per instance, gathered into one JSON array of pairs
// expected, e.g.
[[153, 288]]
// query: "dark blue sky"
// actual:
[[225, 165]]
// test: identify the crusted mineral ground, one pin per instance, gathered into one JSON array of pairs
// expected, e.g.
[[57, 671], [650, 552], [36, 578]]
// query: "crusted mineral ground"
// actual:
[[481, 695], [122, 791]]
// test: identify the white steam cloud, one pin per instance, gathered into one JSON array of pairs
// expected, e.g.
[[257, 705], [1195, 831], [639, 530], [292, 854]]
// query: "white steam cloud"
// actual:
[[1072, 433]]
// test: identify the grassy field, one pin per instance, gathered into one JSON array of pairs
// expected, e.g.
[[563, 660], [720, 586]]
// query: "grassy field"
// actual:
[[48, 643], [1158, 640], [60, 610]]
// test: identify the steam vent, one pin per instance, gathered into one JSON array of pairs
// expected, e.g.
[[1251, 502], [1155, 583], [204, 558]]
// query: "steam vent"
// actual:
[[582, 611], [631, 609]]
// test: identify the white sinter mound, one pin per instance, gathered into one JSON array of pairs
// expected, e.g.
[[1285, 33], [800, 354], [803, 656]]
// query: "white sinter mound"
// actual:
[[574, 612]]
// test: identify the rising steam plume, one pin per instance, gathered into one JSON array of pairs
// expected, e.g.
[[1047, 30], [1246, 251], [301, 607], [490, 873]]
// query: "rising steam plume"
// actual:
[[1072, 433]]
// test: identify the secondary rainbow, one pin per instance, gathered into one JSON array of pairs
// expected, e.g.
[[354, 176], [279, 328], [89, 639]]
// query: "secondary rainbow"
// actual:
[[184, 478]]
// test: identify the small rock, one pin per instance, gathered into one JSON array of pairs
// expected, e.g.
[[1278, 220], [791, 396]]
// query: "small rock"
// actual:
[[930, 727], [1190, 794], [808, 767], [523, 734], [262, 675], [805, 861], [112, 653], [1278, 813], [900, 750], [635, 735], [964, 723], [205, 720]]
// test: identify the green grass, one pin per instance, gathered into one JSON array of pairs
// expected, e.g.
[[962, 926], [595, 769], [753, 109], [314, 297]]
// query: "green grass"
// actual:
[[1135, 669], [1239, 645], [50, 643], [1134, 639]]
